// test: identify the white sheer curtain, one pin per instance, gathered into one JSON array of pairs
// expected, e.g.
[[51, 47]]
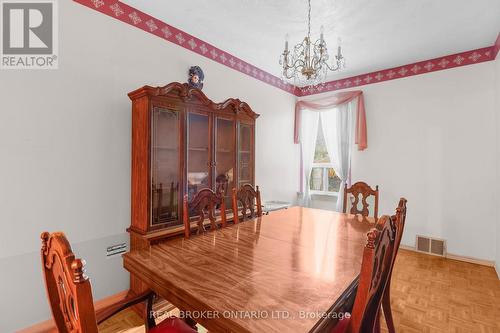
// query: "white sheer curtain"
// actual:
[[338, 130], [309, 133]]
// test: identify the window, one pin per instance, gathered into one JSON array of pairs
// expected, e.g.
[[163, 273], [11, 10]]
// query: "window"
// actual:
[[323, 180]]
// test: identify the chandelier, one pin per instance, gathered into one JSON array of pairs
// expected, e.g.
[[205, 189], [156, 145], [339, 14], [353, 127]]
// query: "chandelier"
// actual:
[[308, 64]]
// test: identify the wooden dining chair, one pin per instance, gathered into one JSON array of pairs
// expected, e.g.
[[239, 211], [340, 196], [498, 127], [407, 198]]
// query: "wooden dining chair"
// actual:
[[365, 191], [70, 294], [375, 272], [398, 220], [249, 198], [203, 204]]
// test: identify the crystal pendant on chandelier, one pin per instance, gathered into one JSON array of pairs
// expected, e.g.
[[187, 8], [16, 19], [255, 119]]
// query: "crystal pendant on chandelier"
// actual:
[[307, 64]]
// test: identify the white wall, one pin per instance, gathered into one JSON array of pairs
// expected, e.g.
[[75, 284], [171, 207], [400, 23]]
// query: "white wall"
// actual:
[[431, 138], [65, 141]]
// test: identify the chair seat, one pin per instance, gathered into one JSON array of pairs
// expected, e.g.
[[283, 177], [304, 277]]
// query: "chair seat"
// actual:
[[172, 325], [341, 326]]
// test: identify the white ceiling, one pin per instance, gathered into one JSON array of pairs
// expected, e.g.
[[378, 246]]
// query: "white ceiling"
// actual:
[[375, 34]]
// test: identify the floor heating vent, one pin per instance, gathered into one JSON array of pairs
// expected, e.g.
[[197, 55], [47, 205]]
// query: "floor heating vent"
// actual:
[[431, 245]]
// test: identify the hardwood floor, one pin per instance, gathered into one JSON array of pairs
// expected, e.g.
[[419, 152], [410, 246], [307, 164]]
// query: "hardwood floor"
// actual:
[[432, 294], [429, 294]]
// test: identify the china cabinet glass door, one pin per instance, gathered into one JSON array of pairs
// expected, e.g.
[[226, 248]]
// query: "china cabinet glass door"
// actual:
[[225, 156], [165, 167], [198, 153], [245, 153]]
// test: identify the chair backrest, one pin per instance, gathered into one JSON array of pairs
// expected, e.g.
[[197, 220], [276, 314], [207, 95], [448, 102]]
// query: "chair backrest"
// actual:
[[203, 204], [68, 288], [249, 198], [399, 220], [365, 191], [375, 272]]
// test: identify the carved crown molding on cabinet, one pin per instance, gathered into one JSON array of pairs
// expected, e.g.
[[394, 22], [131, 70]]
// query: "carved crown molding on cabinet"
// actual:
[[194, 95]]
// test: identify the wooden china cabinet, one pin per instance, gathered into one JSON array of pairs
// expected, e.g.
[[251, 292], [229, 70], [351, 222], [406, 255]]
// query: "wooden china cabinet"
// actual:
[[183, 142]]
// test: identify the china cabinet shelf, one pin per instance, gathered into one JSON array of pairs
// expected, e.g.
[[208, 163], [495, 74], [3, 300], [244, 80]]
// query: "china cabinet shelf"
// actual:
[[166, 148], [198, 149]]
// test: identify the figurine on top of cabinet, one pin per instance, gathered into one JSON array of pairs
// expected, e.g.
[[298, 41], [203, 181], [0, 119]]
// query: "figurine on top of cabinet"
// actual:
[[196, 77]]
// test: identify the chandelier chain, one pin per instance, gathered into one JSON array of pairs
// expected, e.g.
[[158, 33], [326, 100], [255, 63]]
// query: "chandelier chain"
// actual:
[[309, 21]]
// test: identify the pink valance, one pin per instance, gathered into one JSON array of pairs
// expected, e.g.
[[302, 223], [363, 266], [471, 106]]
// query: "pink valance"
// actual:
[[334, 101]]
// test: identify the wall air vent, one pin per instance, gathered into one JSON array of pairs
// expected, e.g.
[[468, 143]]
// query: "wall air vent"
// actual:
[[430, 245], [115, 250]]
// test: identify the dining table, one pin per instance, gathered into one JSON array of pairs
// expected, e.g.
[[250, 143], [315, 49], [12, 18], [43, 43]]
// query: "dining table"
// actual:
[[293, 270]]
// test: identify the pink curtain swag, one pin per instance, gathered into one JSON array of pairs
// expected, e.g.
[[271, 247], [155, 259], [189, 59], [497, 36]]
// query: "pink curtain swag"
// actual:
[[331, 102]]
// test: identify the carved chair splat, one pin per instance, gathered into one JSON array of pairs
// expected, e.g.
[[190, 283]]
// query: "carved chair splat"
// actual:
[[249, 198], [365, 191], [204, 204]]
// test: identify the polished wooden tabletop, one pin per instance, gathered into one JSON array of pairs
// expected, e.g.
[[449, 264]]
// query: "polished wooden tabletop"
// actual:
[[277, 273]]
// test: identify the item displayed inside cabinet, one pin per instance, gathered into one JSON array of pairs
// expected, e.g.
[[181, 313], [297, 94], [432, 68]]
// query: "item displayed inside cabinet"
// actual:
[[164, 204]]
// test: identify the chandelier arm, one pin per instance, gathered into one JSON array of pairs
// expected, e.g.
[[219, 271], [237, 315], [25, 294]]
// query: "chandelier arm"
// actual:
[[318, 63], [291, 76], [289, 69], [287, 62], [333, 68], [298, 64], [320, 58], [299, 49]]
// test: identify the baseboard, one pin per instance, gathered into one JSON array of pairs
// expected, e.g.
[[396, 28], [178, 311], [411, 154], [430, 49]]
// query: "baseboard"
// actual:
[[497, 269], [452, 256], [49, 326], [471, 260], [406, 247]]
